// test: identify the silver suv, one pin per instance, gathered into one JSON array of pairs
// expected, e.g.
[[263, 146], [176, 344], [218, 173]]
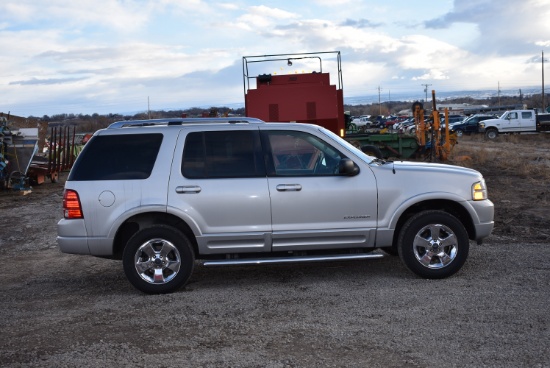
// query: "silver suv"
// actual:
[[163, 194]]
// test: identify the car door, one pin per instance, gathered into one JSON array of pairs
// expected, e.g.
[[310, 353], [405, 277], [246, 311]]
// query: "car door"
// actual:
[[528, 120], [472, 125], [511, 123], [312, 206], [218, 185]]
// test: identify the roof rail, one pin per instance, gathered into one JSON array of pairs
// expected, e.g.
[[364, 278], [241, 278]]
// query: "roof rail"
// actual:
[[183, 121]]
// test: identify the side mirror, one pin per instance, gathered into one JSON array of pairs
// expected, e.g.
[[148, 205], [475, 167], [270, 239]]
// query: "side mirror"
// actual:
[[347, 167]]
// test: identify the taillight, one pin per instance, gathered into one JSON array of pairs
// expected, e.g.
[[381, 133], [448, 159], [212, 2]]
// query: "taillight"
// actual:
[[71, 205]]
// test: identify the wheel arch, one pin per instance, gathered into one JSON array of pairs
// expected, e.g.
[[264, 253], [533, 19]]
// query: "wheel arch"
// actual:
[[490, 130], [449, 206], [137, 222]]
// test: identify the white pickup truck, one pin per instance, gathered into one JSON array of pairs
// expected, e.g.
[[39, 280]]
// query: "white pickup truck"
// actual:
[[516, 121]]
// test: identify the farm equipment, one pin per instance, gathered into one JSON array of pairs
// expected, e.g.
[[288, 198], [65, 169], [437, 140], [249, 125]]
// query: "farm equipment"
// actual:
[[62, 149], [17, 147], [307, 96]]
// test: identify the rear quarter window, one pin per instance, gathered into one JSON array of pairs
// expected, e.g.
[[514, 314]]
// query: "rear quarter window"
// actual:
[[117, 157]]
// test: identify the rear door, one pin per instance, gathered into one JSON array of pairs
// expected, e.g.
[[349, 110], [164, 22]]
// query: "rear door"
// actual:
[[313, 207], [528, 120], [218, 184]]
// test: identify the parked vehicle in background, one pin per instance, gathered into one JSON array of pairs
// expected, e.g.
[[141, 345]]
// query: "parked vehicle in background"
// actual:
[[402, 124], [471, 125], [516, 121], [362, 122], [378, 121]]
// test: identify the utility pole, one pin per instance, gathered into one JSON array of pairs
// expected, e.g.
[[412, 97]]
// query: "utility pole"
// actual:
[[498, 93], [543, 98], [426, 91], [379, 105]]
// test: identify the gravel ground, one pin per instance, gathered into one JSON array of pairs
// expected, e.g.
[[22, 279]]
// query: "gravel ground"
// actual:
[[71, 311]]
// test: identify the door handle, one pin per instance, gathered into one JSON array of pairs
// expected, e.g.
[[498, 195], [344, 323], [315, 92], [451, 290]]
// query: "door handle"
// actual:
[[289, 187], [188, 189]]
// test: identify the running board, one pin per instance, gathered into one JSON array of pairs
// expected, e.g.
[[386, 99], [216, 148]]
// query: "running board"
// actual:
[[297, 259]]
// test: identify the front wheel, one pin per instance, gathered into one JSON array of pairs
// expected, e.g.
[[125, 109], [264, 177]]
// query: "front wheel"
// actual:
[[491, 134], [459, 133], [158, 259], [433, 244]]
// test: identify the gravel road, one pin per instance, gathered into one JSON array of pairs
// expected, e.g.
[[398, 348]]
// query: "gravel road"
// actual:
[[73, 311]]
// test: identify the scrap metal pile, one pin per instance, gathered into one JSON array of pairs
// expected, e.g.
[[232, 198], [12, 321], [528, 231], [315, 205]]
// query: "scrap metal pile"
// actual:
[[21, 163]]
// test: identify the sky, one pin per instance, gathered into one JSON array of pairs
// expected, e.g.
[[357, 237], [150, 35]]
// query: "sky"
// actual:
[[128, 56]]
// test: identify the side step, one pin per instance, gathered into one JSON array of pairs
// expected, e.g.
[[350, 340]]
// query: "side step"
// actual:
[[297, 259]]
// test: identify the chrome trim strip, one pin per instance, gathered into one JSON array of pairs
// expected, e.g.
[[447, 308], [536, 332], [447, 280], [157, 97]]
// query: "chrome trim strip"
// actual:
[[259, 261]]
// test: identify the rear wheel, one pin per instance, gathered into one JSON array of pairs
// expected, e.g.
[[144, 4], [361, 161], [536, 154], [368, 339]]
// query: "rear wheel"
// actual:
[[158, 259], [433, 244]]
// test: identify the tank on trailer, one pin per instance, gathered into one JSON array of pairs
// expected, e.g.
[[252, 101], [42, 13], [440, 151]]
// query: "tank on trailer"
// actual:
[[303, 95]]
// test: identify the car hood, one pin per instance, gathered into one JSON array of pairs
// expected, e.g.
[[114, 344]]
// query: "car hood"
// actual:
[[400, 179], [427, 167]]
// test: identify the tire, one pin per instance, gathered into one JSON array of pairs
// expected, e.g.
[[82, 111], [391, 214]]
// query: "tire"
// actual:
[[158, 259], [372, 150], [459, 133], [433, 244], [491, 134]]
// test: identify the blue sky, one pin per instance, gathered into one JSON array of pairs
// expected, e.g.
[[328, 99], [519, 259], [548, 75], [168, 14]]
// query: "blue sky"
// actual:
[[113, 56]]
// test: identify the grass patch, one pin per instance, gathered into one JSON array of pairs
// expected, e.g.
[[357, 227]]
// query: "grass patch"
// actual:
[[523, 155]]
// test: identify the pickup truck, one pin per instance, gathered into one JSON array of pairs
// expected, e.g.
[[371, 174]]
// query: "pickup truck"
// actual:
[[471, 124], [516, 121]]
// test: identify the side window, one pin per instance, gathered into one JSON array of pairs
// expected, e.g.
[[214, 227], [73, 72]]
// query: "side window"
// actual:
[[117, 157], [300, 154], [513, 115], [222, 154], [526, 115]]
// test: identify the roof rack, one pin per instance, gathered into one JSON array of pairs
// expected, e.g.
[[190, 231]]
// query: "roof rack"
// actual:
[[183, 121]]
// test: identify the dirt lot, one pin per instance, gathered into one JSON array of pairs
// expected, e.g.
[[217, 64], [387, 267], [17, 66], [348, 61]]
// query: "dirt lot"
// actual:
[[71, 311]]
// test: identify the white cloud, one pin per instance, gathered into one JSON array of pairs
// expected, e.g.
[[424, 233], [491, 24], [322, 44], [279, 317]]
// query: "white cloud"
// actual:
[[109, 54], [275, 13]]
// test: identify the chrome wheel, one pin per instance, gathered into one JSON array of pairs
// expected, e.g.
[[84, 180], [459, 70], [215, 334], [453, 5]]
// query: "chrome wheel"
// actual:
[[459, 133], [157, 261], [435, 246]]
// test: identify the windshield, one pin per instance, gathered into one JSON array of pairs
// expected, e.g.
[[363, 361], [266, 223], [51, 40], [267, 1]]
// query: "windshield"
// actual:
[[503, 116], [351, 147]]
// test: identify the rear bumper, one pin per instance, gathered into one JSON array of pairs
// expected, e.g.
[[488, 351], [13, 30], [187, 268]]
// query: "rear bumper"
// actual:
[[72, 237], [73, 245]]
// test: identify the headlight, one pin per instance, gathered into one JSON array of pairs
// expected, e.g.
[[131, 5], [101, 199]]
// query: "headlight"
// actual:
[[479, 191]]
